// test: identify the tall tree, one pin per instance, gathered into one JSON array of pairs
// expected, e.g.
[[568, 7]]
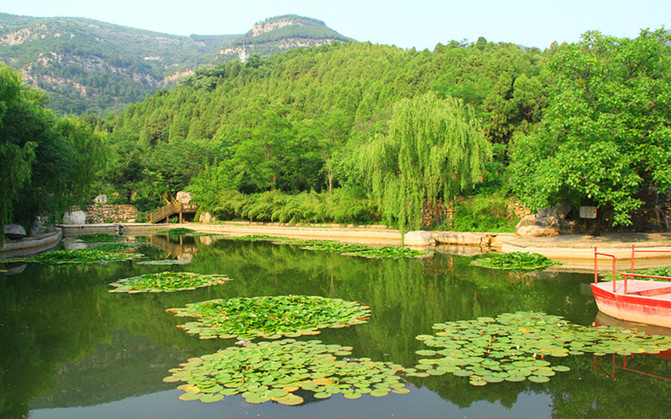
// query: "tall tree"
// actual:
[[607, 133], [434, 150]]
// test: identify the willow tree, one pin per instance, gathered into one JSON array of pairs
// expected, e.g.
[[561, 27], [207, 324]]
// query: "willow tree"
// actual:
[[434, 149]]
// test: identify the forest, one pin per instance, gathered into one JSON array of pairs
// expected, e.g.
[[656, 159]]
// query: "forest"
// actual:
[[362, 133]]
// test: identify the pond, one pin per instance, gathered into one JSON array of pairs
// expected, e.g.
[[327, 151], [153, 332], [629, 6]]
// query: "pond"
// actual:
[[71, 349]]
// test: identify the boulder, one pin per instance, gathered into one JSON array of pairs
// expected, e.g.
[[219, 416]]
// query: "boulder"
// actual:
[[419, 238], [537, 231], [206, 218], [184, 197], [38, 226], [463, 238], [15, 232], [74, 217], [100, 199]]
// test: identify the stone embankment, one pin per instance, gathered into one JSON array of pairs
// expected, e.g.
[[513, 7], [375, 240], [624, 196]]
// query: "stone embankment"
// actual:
[[455, 238], [105, 213]]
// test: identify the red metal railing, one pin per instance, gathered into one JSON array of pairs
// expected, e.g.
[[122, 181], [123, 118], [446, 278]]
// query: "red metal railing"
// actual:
[[634, 250], [596, 269], [627, 275]]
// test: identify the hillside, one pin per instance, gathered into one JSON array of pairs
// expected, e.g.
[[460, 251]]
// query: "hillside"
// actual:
[[91, 66]]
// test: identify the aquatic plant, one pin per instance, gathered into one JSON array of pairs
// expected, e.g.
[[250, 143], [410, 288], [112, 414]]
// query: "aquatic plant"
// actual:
[[167, 282], [181, 231], [164, 262], [100, 254], [269, 317], [276, 370], [99, 238], [344, 249], [514, 347], [515, 260]]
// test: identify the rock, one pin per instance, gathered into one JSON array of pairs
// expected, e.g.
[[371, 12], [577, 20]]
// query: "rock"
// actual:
[[528, 220], [38, 226], [206, 218], [537, 231], [15, 231], [419, 238], [559, 211], [463, 238], [100, 199], [184, 197], [74, 217]]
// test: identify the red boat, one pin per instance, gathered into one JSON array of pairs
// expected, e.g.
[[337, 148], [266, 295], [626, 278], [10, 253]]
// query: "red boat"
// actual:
[[636, 297]]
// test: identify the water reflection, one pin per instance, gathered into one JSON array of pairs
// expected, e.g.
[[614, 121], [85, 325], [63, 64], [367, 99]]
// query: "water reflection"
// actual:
[[67, 342]]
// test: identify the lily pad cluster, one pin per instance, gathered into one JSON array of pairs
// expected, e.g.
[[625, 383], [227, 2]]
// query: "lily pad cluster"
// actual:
[[167, 282], [181, 231], [100, 254], [513, 347], [664, 271], [344, 249], [269, 317], [99, 238], [278, 370], [515, 260], [163, 262]]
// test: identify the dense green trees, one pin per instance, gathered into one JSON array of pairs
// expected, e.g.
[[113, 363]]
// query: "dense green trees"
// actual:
[[607, 133], [297, 122], [434, 150], [589, 127], [48, 163]]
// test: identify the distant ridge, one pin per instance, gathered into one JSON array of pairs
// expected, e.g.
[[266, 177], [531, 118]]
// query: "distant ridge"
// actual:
[[86, 65]]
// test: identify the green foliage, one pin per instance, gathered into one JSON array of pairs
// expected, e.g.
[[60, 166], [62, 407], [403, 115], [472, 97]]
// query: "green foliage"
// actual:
[[49, 163], [484, 212], [167, 282], [270, 317], [507, 348], [99, 238], [515, 260], [663, 271], [434, 150], [275, 370], [181, 231], [342, 206], [605, 136], [360, 250], [100, 254], [296, 122]]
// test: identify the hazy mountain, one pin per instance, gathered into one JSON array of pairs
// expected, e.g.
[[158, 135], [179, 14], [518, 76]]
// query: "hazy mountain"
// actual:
[[90, 66]]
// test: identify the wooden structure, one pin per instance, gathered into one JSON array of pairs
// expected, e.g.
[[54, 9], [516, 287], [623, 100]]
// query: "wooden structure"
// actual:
[[172, 208]]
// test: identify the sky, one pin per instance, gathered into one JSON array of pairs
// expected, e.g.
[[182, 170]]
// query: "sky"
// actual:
[[419, 23]]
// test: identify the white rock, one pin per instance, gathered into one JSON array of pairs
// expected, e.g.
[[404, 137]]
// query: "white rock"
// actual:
[[206, 218], [100, 199], [419, 238], [183, 197], [536, 231], [74, 217], [15, 231]]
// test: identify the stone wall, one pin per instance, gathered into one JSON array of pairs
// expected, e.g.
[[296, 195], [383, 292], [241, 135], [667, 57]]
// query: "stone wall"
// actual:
[[98, 214]]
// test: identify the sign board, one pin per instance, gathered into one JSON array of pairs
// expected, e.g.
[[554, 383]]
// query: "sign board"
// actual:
[[587, 212]]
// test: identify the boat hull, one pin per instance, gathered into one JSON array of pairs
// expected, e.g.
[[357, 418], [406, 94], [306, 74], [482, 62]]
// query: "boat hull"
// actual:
[[653, 308]]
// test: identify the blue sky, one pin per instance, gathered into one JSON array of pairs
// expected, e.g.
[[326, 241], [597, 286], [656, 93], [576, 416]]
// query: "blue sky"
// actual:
[[419, 23]]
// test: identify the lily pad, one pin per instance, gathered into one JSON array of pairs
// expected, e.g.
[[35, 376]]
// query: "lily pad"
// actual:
[[167, 282], [274, 316], [275, 370], [519, 346]]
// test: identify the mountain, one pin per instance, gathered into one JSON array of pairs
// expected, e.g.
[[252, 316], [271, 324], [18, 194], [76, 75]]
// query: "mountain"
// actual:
[[90, 66], [281, 33]]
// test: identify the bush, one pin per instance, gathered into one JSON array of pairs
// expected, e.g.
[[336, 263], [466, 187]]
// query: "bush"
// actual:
[[484, 212], [342, 206]]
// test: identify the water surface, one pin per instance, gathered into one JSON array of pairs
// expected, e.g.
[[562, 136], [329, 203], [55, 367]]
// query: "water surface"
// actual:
[[70, 349]]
